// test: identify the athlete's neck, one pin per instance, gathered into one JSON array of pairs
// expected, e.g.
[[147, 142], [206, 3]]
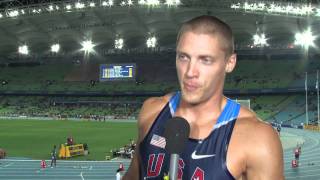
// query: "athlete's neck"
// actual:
[[202, 112]]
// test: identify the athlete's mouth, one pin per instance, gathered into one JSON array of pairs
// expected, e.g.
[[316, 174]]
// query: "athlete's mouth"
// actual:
[[190, 86]]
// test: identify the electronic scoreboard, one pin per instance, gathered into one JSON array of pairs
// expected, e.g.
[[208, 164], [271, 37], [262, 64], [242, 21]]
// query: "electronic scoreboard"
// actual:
[[115, 72]]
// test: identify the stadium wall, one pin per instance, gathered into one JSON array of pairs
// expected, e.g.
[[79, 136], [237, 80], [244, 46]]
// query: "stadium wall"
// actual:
[[270, 91]]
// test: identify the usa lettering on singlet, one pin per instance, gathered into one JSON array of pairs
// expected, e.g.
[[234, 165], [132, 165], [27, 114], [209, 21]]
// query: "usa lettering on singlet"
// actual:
[[201, 159]]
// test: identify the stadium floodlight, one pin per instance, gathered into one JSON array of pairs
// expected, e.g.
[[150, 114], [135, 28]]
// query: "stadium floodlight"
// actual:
[[79, 5], [246, 6], [235, 6], [118, 44], [261, 6], [279, 9], [260, 40], [123, 3], [36, 11], [289, 9], [172, 2], [87, 46], [142, 2], [13, 13], [151, 42], [92, 4], [55, 48], [109, 3], [254, 7], [130, 2], [153, 2], [23, 49], [50, 8], [305, 39], [318, 12], [307, 9], [149, 2], [271, 7], [68, 6], [104, 3], [295, 11]]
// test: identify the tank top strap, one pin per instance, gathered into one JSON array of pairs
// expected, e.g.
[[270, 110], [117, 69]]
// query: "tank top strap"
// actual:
[[174, 102], [229, 113]]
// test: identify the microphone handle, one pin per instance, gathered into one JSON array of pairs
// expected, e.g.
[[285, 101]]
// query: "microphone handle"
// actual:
[[173, 171]]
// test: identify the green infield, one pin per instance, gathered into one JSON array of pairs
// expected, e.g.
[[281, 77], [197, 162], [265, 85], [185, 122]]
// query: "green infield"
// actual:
[[35, 138]]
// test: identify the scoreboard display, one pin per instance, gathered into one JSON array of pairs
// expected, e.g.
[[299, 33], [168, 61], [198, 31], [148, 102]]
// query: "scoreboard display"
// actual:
[[114, 72]]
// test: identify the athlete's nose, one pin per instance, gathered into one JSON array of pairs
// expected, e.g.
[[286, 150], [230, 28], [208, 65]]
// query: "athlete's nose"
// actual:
[[192, 69]]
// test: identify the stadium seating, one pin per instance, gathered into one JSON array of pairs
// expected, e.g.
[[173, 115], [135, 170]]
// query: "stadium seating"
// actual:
[[154, 74]]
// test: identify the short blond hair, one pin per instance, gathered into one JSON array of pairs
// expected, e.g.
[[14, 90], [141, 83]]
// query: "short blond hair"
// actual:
[[210, 25]]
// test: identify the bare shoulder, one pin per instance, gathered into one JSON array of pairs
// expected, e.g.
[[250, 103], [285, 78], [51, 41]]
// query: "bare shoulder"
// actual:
[[149, 111], [152, 106], [261, 146], [254, 127]]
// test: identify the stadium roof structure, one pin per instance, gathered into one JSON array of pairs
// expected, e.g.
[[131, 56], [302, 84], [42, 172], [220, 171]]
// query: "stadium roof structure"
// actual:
[[39, 24]]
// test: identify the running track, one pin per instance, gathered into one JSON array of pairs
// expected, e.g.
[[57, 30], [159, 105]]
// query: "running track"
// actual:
[[84, 170]]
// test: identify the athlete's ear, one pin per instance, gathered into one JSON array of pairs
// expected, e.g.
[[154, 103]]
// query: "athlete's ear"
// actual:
[[231, 63]]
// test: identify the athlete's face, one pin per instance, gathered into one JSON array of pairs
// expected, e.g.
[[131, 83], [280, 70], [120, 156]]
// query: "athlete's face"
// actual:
[[201, 66]]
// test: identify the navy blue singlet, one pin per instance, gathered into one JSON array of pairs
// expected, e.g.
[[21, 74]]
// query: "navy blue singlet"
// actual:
[[201, 159]]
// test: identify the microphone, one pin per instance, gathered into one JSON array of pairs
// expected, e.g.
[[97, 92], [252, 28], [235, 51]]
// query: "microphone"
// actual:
[[176, 132]]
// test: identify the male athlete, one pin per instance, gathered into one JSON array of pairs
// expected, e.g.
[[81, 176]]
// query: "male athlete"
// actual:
[[227, 141], [54, 156]]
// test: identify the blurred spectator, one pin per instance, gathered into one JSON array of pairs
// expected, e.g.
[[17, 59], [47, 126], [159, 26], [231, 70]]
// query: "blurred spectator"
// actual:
[[2, 153], [296, 153], [54, 157], [165, 176], [86, 149], [118, 175], [70, 140], [121, 167]]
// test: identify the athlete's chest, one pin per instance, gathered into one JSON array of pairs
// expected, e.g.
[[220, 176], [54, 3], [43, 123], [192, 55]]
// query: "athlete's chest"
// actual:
[[202, 159]]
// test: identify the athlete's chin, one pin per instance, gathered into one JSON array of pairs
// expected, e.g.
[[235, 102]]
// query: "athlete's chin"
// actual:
[[191, 98]]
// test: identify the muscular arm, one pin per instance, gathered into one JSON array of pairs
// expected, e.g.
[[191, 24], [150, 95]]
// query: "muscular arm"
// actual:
[[133, 170], [265, 154], [149, 111]]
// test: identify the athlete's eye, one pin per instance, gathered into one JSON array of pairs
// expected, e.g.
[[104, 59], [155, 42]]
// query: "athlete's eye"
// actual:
[[182, 57], [206, 61]]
